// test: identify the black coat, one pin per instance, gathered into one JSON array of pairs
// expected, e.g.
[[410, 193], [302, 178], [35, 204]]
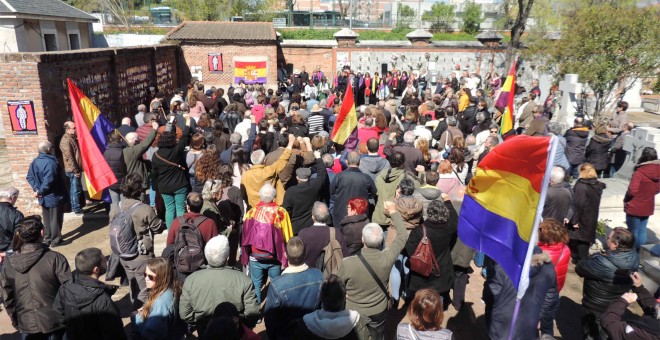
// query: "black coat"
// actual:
[[351, 227], [468, 119], [576, 144], [85, 306], [601, 285], [348, 184], [442, 237], [9, 218], [115, 157], [30, 280], [299, 199], [170, 178], [558, 202], [598, 151], [586, 203]]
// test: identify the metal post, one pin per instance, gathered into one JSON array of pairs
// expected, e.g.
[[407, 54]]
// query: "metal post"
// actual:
[[350, 14], [419, 13]]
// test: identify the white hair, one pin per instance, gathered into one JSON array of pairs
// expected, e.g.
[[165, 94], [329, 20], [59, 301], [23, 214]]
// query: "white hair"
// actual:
[[8, 193], [126, 121], [44, 147], [372, 235], [557, 174], [257, 157], [216, 251], [131, 137], [267, 193], [409, 136]]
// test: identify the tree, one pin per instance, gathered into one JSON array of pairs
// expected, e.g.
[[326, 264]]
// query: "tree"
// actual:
[[471, 17], [608, 47], [405, 17], [441, 15], [518, 28]]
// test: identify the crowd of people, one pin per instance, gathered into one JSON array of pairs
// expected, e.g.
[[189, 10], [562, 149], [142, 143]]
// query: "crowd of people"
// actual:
[[249, 189]]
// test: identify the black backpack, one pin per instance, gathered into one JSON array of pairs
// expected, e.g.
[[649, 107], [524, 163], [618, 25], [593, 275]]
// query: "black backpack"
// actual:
[[189, 245], [123, 240]]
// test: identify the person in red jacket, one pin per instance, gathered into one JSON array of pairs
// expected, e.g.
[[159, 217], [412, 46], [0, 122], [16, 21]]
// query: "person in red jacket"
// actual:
[[553, 239], [639, 202]]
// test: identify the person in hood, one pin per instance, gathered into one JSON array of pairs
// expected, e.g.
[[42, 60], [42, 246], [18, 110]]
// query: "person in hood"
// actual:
[[633, 327], [576, 143], [500, 298], [606, 278], [333, 320], [597, 152], [429, 191], [372, 163], [425, 314], [85, 304], [587, 192], [30, 280], [639, 202]]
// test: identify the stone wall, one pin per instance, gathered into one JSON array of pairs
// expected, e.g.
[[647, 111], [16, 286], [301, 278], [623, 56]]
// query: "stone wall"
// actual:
[[117, 80], [197, 56]]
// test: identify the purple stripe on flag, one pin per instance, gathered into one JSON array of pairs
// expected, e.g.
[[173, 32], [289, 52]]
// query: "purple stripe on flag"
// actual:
[[100, 130], [493, 235], [503, 99]]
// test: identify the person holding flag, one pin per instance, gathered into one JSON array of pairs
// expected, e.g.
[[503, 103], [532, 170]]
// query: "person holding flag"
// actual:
[[505, 103]]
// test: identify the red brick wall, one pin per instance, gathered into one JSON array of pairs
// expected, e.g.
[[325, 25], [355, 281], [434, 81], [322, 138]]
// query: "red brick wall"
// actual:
[[117, 80], [310, 57], [197, 55]]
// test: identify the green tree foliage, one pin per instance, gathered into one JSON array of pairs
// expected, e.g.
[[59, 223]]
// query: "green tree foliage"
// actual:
[[441, 15], [607, 47], [471, 17], [406, 16]]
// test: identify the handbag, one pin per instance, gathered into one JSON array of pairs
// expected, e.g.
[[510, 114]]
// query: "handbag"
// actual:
[[423, 261]]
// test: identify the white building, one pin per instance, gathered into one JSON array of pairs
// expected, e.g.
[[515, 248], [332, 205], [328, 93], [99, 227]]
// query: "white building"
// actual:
[[43, 25]]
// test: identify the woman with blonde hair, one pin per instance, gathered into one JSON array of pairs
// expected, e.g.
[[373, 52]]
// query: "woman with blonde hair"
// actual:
[[586, 201], [159, 317], [196, 105], [426, 315], [422, 145]]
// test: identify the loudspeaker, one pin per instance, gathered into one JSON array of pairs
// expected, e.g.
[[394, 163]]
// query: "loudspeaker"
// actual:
[[289, 69], [383, 69]]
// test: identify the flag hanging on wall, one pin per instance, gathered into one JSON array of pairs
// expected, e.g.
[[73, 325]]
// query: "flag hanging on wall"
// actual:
[[503, 203], [251, 70], [505, 100], [92, 127], [346, 121]]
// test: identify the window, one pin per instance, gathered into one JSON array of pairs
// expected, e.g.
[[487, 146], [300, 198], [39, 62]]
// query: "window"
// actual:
[[74, 42], [50, 42]]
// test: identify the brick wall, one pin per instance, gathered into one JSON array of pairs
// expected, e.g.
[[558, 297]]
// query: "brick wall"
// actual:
[[311, 57], [197, 55], [117, 80]]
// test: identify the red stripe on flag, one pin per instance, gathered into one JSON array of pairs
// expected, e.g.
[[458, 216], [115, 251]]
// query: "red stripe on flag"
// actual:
[[245, 64], [347, 107]]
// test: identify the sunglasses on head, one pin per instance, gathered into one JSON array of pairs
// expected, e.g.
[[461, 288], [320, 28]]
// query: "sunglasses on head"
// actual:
[[150, 277]]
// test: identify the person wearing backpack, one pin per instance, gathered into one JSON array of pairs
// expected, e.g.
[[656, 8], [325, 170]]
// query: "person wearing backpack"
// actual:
[[132, 230], [439, 230], [319, 243], [188, 235], [293, 294]]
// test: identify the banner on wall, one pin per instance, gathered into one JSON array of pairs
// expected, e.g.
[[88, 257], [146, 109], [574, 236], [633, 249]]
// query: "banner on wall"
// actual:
[[21, 114], [251, 70], [215, 62]]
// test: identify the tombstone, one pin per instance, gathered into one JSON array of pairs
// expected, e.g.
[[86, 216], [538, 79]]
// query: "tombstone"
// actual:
[[569, 88], [633, 97], [633, 144]]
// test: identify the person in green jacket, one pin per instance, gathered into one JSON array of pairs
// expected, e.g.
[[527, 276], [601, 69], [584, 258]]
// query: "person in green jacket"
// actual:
[[387, 182], [205, 289], [135, 163]]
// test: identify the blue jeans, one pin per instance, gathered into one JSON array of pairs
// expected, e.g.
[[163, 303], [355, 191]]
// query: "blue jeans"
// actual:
[[257, 271], [74, 192], [637, 226], [152, 194], [175, 205], [398, 275]]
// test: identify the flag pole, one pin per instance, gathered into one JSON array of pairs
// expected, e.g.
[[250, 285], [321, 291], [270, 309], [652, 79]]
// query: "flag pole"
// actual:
[[524, 277]]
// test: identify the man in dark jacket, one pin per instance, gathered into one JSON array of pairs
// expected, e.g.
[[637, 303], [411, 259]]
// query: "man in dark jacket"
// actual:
[[606, 278], [348, 184], [633, 327], [299, 199], [46, 181], [317, 236], [30, 280], [115, 157], [468, 118], [10, 217], [413, 155], [84, 304], [559, 200], [576, 144], [292, 294], [125, 127]]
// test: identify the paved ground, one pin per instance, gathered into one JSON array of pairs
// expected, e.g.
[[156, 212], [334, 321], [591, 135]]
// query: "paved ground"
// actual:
[[91, 230]]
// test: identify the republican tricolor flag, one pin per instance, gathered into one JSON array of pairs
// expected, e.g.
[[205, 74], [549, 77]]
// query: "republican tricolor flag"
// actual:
[[346, 122], [503, 202], [505, 100], [92, 127]]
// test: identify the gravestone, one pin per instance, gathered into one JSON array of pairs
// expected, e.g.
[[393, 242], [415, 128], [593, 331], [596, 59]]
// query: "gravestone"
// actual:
[[633, 97], [569, 88], [633, 144]]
